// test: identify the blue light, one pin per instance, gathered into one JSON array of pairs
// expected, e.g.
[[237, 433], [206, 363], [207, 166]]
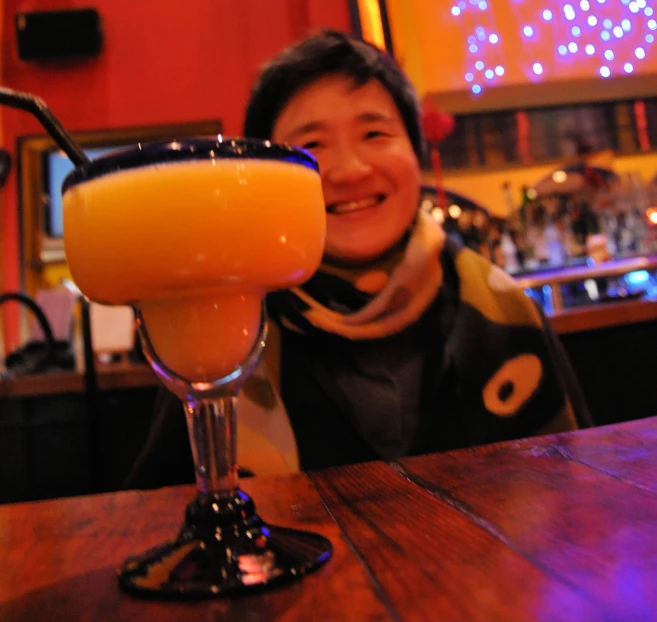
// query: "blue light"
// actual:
[[538, 68], [592, 20], [562, 49], [605, 72], [640, 53], [483, 5], [547, 15], [456, 11], [605, 36], [462, 5], [650, 38], [590, 49], [476, 89], [618, 31], [493, 38], [641, 3], [629, 68], [472, 39], [607, 23], [648, 12], [528, 31], [499, 70], [652, 24], [568, 12], [480, 30], [576, 30], [639, 277], [609, 55], [479, 65], [469, 76], [584, 5], [573, 47], [490, 74], [627, 26], [634, 7], [473, 48], [481, 36], [548, 305]]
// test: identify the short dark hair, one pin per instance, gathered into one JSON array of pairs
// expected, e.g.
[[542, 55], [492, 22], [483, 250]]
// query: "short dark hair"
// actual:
[[329, 52]]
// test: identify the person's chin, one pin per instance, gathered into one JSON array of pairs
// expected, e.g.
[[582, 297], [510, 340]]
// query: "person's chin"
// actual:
[[357, 254]]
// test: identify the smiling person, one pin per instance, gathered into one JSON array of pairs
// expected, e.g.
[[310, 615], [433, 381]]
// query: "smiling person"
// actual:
[[403, 342]]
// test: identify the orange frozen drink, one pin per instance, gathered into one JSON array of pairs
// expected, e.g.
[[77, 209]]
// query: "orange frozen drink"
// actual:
[[195, 245]]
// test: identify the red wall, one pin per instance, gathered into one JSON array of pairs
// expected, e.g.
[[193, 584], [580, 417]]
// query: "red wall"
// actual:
[[163, 62]]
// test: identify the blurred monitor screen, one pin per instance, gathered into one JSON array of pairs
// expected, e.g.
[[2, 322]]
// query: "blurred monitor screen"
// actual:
[[56, 167]]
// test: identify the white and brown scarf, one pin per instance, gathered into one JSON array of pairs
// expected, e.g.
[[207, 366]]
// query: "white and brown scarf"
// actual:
[[371, 302]]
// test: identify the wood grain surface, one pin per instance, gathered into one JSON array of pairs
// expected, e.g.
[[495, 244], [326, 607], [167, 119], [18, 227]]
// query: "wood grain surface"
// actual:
[[559, 527]]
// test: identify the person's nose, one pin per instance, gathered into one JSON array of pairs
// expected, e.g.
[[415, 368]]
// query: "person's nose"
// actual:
[[346, 166]]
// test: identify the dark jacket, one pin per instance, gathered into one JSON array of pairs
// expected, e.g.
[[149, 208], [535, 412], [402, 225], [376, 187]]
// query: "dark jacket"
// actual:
[[481, 365]]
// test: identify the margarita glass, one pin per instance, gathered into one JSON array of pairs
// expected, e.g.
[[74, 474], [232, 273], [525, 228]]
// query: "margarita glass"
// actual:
[[193, 234]]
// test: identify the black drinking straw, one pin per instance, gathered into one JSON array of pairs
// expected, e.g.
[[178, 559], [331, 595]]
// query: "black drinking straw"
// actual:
[[36, 106]]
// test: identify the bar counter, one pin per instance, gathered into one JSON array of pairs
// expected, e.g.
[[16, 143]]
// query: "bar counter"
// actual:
[[594, 316], [131, 375], [57, 440], [563, 320], [49, 431], [559, 527], [608, 315], [110, 377]]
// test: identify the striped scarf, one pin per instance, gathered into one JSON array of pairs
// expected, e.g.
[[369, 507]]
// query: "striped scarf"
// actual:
[[368, 302]]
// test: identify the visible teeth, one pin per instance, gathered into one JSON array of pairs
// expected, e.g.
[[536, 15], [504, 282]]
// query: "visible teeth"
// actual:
[[352, 206]]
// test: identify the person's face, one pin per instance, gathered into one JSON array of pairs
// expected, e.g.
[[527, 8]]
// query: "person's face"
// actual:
[[370, 174]]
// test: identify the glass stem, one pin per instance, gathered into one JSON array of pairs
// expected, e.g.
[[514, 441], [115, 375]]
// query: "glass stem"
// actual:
[[212, 429]]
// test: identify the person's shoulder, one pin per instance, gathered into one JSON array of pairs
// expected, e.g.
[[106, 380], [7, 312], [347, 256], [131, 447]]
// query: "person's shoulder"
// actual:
[[489, 289]]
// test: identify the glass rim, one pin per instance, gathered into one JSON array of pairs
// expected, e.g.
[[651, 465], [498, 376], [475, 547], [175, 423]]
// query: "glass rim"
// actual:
[[171, 151]]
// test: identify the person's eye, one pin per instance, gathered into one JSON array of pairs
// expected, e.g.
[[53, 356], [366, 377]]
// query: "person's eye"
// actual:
[[311, 144], [374, 134]]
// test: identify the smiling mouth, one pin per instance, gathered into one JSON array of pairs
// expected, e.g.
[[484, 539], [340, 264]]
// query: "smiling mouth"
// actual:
[[348, 207]]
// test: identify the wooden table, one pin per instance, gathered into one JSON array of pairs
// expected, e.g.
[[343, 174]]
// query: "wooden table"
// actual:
[[556, 528]]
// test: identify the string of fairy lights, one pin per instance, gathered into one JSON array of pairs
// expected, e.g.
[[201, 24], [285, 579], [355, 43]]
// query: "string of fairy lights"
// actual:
[[607, 37]]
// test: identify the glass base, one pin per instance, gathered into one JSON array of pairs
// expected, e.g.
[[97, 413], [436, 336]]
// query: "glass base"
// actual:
[[223, 548]]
